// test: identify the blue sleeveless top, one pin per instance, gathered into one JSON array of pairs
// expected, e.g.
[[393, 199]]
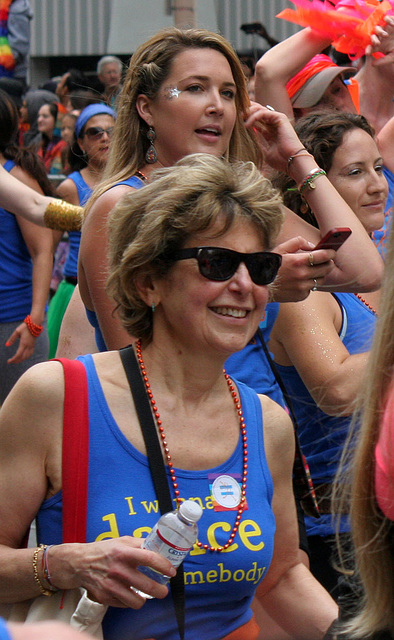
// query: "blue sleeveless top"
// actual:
[[219, 587], [16, 268], [137, 183], [251, 366], [322, 436], [84, 193], [380, 237]]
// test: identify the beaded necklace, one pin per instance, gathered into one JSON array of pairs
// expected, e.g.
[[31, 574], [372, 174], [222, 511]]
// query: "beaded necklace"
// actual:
[[141, 176], [369, 306], [168, 458]]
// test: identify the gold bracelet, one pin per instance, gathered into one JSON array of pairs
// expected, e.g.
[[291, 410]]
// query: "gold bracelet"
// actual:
[[45, 592], [63, 216]]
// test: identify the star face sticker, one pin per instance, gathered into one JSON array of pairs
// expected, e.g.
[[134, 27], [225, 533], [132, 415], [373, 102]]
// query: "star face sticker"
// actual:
[[172, 92]]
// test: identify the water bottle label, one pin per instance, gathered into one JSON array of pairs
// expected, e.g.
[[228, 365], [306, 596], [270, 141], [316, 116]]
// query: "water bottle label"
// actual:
[[182, 549], [167, 549]]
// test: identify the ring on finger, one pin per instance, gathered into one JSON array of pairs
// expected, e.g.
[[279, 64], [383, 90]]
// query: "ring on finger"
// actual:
[[311, 260], [314, 288]]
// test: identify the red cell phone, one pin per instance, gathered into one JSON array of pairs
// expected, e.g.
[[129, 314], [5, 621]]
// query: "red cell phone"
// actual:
[[334, 238]]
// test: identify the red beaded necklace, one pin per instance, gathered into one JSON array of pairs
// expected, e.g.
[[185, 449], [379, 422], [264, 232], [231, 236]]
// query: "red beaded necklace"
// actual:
[[366, 304], [167, 454]]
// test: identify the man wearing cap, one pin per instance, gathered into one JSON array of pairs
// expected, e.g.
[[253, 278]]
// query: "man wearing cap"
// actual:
[[295, 79], [320, 83]]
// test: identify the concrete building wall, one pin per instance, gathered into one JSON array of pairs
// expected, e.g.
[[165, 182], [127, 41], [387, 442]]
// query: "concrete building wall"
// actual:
[[62, 28]]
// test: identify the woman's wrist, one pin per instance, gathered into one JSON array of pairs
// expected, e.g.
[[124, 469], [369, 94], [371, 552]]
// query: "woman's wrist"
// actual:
[[38, 570], [34, 329], [301, 166]]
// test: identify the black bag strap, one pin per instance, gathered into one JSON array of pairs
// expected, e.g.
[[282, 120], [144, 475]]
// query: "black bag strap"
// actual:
[[303, 483], [157, 467]]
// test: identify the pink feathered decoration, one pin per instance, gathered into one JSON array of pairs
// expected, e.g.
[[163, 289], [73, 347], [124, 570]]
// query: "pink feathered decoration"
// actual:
[[349, 24]]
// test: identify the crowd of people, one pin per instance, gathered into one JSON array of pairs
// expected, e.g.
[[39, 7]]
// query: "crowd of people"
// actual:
[[184, 234]]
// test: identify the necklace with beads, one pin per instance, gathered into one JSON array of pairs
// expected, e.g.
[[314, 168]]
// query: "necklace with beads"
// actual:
[[167, 455], [141, 176], [369, 306]]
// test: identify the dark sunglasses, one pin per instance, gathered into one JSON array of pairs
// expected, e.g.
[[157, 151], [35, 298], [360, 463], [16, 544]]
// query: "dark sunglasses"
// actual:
[[220, 264], [95, 133]]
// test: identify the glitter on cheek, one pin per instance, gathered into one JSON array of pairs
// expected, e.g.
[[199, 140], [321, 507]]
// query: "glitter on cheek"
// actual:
[[172, 92]]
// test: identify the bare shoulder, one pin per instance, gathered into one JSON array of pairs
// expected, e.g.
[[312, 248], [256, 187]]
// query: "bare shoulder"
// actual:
[[26, 178], [278, 434], [104, 204], [68, 191], [35, 404]]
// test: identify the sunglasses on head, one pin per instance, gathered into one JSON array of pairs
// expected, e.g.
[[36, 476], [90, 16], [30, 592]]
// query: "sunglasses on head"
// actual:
[[220, 264], [95, 133]]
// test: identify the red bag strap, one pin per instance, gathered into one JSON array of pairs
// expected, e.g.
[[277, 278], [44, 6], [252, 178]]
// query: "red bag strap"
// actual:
[[75, 462]]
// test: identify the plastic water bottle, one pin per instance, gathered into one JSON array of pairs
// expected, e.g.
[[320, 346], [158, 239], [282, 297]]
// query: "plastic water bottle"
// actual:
[[173, 536]]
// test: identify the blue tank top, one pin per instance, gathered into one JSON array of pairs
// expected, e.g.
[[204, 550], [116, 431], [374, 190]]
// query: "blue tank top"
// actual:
[[322, 436], [219, 587], [136, 183], [16, 268], [381, 236], [251, 366], [84, 193]]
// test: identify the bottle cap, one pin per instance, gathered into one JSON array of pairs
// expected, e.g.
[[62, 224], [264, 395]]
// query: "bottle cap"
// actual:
[[190, 510]]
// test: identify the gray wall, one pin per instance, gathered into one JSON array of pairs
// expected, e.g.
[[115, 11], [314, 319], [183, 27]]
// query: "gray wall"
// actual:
[[97, 27]]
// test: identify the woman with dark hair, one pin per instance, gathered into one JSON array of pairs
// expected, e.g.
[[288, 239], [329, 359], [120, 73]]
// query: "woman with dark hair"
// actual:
[[26, 257], [321, 344], [87, 159], [51, 144]]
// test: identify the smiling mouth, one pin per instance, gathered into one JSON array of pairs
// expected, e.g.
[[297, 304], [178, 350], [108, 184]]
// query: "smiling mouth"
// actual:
[[229, 311], [211, 132]]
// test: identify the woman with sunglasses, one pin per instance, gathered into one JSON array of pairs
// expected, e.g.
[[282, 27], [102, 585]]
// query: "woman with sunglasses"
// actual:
[[190, 266], [87, 158], [185, 92]]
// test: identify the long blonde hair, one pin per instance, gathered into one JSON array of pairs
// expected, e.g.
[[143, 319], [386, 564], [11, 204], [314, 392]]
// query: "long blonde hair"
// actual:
[[149, 66], [372, 532]]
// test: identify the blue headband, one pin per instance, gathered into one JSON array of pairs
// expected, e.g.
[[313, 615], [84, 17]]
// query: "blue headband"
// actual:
[[90, 111]]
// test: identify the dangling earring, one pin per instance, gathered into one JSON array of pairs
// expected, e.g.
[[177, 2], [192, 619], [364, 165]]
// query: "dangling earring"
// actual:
[[151, 154], [153, 307]]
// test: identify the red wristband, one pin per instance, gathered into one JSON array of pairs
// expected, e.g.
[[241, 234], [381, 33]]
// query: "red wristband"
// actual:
[[35, 329]]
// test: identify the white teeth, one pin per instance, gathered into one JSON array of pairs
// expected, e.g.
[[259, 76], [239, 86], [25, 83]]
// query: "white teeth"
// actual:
[[229, 311]]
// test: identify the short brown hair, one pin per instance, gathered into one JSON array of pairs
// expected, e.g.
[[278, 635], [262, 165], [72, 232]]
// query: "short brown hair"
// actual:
[[181, 201]]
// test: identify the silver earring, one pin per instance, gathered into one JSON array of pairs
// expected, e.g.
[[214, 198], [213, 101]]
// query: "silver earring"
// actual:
[[153, 307], [151, 154]]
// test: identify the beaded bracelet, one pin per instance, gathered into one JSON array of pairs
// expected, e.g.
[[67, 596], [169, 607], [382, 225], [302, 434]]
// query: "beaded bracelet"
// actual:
[[45, 592], [308, 181], [300, 152], [35, 329], [45, 567]]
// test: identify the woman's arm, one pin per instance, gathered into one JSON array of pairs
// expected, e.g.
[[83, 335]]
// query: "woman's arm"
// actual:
[[289, 593], [385, 141], [35, 207], [279, 142], [280, 63], [93, 268], [306, 334], [31, 427], [40, 245]]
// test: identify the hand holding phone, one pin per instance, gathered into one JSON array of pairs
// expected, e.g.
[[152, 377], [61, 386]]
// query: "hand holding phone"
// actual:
[[334, 238]]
